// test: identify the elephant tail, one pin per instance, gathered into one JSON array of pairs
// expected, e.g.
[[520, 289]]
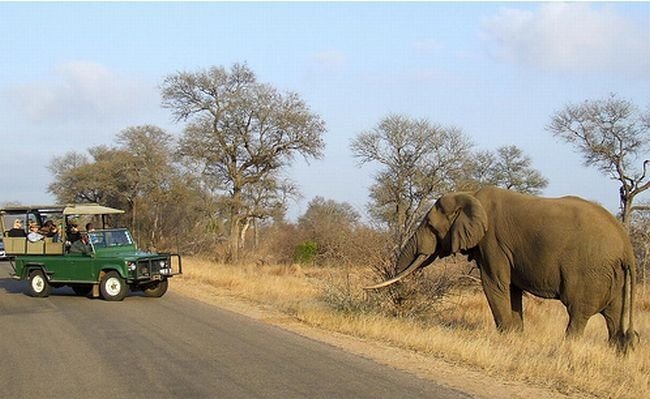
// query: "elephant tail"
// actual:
[[628, 337]]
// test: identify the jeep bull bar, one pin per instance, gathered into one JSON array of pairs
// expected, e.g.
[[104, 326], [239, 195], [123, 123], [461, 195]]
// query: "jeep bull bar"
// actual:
[[157, 268]]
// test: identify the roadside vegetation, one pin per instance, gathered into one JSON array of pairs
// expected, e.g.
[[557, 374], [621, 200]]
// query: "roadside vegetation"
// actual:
[[456, 327]]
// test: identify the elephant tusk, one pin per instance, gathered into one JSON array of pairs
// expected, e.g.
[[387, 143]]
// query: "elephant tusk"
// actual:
[[412, 267]]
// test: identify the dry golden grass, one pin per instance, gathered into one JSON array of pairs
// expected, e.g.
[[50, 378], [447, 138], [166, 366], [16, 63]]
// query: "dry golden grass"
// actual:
[[463, 333]]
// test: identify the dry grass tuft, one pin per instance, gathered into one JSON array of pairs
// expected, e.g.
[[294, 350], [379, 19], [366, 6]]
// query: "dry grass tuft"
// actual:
[[459, 328]]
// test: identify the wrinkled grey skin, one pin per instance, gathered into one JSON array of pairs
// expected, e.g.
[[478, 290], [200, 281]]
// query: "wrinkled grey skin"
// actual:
[[561, 248]]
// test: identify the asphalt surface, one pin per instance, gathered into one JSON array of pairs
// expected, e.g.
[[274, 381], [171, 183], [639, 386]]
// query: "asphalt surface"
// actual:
[[66, 346]]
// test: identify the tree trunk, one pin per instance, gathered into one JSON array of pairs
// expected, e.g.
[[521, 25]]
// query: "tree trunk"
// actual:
[[242, 234], [235, 225], [644, 268], [134, 215], [626, 199], [401, 233], [234, 238], [154, 227]]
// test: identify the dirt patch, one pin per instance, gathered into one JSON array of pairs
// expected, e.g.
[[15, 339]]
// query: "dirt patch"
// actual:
[[472, 382]]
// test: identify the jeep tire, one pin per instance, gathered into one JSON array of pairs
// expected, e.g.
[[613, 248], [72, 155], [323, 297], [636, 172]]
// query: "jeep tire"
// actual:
[[156, 290], [38, 284], [113, 287]]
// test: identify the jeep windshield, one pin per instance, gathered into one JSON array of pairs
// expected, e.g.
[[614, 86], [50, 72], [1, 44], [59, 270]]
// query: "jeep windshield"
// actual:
[[111, 238]]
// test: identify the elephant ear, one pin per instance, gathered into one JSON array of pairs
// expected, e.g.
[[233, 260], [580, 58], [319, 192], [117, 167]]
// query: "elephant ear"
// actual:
[[470, 224]]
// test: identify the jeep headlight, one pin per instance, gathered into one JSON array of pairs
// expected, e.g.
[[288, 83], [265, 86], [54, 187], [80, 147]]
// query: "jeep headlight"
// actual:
[[131, 266], [165, 268]]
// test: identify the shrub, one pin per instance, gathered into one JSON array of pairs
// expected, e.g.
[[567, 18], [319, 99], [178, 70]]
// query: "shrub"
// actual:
[[305, 252]]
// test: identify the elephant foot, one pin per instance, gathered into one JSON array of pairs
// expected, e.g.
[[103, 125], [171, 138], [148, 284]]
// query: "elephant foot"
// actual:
[[625, 342]]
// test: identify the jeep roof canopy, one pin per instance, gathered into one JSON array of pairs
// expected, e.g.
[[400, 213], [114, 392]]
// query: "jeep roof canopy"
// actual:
[[69, 209], [39, 211], [89, 209]]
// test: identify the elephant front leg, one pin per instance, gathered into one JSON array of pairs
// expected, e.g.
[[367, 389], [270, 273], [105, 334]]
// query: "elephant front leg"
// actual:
[[517, 307], [498, 293]]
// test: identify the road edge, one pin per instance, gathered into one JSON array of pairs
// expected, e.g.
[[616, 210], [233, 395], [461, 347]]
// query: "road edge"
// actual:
[[471, 382]]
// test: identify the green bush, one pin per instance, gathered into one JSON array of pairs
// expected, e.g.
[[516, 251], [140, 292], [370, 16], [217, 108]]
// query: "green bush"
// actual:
[[305, 252]]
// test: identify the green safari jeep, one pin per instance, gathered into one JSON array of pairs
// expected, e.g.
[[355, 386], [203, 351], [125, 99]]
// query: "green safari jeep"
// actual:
[[111, 265]]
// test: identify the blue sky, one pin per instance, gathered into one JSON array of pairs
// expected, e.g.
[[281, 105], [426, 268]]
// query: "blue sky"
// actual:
[[72, 75]]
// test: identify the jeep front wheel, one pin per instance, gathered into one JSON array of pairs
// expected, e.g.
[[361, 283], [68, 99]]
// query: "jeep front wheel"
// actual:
[[113, 287], [38, 285], [156, 290]]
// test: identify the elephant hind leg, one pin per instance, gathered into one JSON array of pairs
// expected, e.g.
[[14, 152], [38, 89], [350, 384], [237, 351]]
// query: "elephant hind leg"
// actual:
[[612, 314], [578, 319], [576, 326], [580, 303]]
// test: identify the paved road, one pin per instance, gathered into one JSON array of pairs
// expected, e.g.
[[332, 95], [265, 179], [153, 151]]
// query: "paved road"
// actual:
[[66, 346]]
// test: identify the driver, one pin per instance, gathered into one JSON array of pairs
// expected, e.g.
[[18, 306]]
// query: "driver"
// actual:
[[82, 246]]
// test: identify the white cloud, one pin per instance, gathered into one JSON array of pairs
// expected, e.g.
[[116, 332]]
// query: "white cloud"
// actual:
[[329, 60], [572, 37], [426, 46], [81, 90]]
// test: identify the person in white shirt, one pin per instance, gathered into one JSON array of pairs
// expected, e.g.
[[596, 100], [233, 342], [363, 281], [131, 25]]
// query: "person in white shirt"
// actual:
[[34, 235]]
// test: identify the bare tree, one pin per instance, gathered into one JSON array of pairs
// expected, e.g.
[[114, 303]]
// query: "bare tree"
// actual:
[[71, 172], [419, 161], [239, 133], [508, 168], [331, 225], [267, 199], [99, 177], [147, 174], [612, 135], [136, 175]]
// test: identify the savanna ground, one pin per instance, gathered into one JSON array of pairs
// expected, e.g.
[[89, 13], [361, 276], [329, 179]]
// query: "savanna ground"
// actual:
[[451, 340]]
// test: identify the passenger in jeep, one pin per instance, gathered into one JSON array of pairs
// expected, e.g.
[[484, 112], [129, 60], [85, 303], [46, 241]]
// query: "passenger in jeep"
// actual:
[[73, 233], [49, 229], [34, 235], [81, 246], [17, 230]]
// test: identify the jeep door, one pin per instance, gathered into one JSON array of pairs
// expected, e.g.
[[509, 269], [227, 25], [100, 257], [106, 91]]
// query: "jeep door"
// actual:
[[76, 268]]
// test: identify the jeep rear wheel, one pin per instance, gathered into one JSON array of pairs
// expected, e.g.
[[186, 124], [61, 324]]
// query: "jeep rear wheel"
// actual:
[[156, 290], [38, 285], [112, 287]]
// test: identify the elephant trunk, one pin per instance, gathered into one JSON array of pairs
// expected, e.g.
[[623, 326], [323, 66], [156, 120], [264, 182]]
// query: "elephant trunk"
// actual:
[[416, 251], [413, 267]]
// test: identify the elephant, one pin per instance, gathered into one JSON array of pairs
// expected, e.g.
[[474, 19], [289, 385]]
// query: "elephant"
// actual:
[[564, 248]]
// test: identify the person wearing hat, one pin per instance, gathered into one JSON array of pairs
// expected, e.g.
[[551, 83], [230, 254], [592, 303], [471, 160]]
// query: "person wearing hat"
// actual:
[[17, 230], [34, 235]]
